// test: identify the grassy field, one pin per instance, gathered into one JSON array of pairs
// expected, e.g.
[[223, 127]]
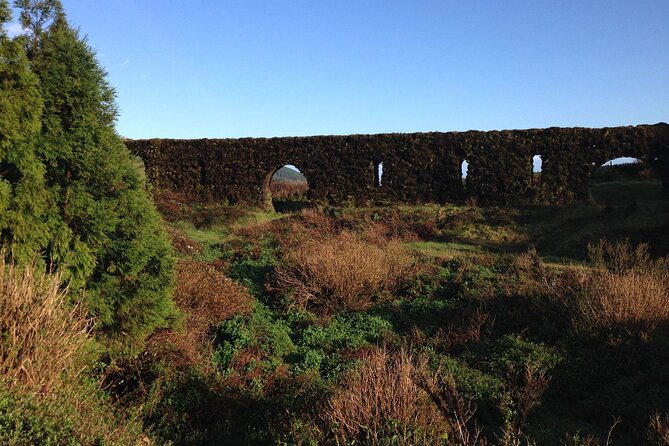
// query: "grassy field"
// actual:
[[402, 325]]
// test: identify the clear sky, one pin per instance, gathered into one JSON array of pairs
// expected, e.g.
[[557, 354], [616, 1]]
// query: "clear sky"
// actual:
[[220, 68]]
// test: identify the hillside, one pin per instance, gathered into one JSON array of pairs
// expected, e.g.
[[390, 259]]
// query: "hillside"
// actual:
[[515, 320], [288, 174]]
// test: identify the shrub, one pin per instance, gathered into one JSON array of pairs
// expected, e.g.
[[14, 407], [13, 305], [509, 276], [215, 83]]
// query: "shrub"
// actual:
[[627, 290], [343, 272], [45, 397], [332, 348], [381, 404], [75, 196], [621, 257], [658, 430], [41, 333], [630, 300], [205, 297], [251, 348]]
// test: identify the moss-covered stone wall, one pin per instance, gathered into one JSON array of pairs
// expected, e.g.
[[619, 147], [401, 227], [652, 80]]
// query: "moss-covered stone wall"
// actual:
[[417, 167]]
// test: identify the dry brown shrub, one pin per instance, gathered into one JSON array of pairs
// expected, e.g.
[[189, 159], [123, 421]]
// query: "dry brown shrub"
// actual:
[[343, 272], [658, 430], [630, 299], [206, 297], [314, 218], [41, 335], [380, 401], [310, 224], [457, 412], [627, 290], [526, 391], [621, 256], [288, 188], [172, 205], [467, 331]]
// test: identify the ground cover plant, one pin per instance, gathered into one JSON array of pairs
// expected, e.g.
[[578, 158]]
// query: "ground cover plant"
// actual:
[[418, 325]]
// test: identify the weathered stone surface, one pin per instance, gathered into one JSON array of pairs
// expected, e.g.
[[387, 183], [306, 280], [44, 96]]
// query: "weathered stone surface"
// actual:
[[417, 167]]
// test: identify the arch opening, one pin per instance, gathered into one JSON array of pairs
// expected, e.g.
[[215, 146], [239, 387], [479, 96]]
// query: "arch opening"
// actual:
[[537, 164], [378, 174], [464, 171], [624, 181], [286, 189]]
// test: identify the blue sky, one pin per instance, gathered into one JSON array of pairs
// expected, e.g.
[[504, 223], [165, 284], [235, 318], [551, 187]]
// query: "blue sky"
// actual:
[[308, 67]]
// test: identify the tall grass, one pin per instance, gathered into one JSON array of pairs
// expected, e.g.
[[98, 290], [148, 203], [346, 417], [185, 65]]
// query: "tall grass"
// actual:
[[624, 289], [284, 189], [380, 402], [627, 290], [343, 272], [46, 397], [41, 332]]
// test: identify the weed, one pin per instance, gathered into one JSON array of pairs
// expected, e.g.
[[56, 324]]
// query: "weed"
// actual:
[[458, 412], [205, 297], [253, 346], [627, 291], [42, 334], [658, 430], [381, 404], [331, 349], [343, 273]]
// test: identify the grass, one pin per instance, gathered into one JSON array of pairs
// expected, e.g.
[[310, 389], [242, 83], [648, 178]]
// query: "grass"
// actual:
[[42, 335], [381, 401], [414, 325], [48, 393], [343, 273], [444, 250]]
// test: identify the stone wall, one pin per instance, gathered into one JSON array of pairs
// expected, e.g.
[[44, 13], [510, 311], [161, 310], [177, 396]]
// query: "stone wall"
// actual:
[[417, 167]]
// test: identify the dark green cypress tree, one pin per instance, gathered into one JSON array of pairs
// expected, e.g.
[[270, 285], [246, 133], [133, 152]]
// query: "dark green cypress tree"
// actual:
[[108, 236], [24, 200]]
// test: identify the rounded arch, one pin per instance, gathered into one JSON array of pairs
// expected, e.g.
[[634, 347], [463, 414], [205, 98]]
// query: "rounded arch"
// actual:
[[537, 165], [285, 188], [464, 171], [623, 180]]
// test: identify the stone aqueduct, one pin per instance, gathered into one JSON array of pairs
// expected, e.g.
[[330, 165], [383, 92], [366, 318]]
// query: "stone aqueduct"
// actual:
[[417, 167]]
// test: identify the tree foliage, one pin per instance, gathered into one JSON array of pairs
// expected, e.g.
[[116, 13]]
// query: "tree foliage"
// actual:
[[23, 195], [75, 194]]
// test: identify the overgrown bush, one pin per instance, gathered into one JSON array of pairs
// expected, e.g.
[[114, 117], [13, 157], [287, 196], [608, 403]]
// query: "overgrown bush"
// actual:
[[205, 297], [71, 194], [380, 404], [627, 290], [343, 272], [46, 394], [40, 333]]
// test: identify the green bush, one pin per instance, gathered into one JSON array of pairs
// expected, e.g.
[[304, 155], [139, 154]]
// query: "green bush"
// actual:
[[79, 414], [23, 422], [24, 199], [260, 333], [73, 195], [322, 348]]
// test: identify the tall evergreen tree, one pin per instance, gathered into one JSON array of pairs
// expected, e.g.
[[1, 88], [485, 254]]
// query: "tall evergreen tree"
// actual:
[[24, 200], [108, 236]]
